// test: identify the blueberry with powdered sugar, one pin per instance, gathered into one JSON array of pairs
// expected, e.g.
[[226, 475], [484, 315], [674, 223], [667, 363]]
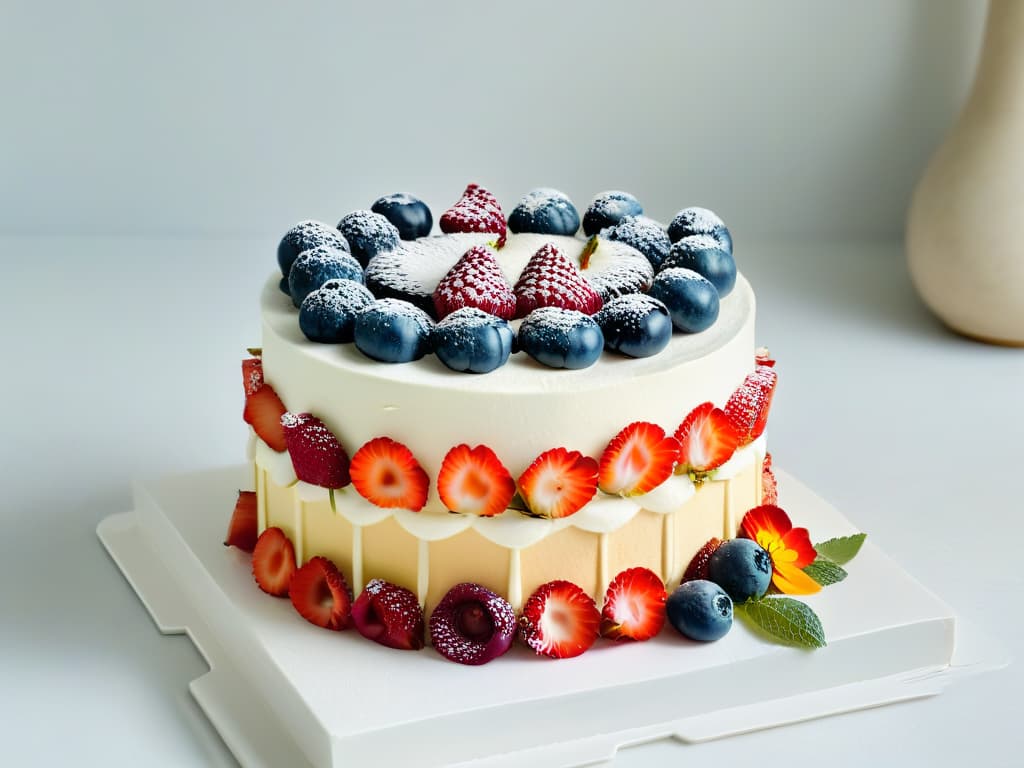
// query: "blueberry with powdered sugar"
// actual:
[[700, 221], [624, 269], [328, 314], [691, 299], [561, 338], [316, 266], [304, 236], [393, 331], [706, 256], [410, 215], [545, 211], [644, 234], [368, 234], [609, 208], [472, 341], [636, 325]]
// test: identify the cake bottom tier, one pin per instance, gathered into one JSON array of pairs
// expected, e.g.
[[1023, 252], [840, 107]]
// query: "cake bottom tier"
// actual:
[[430, 560]]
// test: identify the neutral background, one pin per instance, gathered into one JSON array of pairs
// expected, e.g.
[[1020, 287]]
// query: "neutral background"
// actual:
[[152, 153]]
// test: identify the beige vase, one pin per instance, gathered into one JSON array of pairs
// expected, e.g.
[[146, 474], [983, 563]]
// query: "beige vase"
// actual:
[[965, 228]]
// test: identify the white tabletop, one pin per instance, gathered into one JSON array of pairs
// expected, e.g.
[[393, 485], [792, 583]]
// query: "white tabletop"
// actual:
[[120, 359]]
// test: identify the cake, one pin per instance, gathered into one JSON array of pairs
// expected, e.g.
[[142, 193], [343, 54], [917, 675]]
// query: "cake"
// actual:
[[507, 404]]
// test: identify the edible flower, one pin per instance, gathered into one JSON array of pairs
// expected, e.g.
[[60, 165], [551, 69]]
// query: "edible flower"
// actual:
[[789, 548]]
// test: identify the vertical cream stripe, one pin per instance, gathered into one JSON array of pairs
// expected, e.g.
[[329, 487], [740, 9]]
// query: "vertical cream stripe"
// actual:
[[602, 566], [423, 572], [300, 529], [357, 559], [668, 546], [515, 580], [261, 499]]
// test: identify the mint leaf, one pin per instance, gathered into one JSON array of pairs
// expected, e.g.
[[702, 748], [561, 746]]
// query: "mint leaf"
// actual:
[[825, 572], [841, 550], [784, 620]]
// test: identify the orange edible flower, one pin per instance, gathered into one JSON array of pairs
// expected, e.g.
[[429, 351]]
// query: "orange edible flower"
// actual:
[[789, 548]]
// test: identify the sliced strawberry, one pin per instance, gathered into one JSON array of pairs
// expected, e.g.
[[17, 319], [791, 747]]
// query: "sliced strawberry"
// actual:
[[387, 474], [252, 374], [321, 596], [263, 410], [473, 481], [706, 441], [243, 525], [634, 605], [558, 483], [316, 454], [390, 615], [637, 460], [475, 280], [749, 405], [549, 279], [476, 211], [698, 567], [273, 562], [560, 620], [763, 357], [769, 485]]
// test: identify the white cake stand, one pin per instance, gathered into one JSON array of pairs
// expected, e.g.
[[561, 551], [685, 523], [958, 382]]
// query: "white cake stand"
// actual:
[[283, 692]]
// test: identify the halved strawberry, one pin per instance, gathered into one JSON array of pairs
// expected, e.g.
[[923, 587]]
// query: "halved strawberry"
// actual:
[[637, 460], [242, 528], [263, 410], [558, 483], [316, 454], [748, 406], [321, 596], [698, 567], [549, 279], [634, 605], [706, 441], [476, 211], [387, 474], [473, 481], [763, 357], [273, 562], [769, 485], [252, 374], [390, 615], [560, 620], [476, 280]]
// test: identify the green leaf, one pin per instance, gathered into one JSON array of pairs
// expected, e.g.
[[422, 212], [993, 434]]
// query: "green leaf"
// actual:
[[825, 572], [841, 550], [784, 620]]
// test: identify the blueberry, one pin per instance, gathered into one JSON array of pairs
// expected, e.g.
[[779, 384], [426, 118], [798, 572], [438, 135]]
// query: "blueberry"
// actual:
[[700, 610], [283, 285], [704, 255], [328, 314], [409, 214], [691, 299], [304, 236], [635, 325], [546, 212], [368, 234], [393, 331], [472, 341], [561, 338], [315, 267], [700, 221], [608, 209], [646, 235], [742, 568]]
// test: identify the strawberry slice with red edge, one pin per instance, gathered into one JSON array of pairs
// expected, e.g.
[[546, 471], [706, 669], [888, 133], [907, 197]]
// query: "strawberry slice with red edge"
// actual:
[[749, 405], [252, 374], [473, 481], [707, 440], [549, 279], [634, 605], [320, 594], [638, 459], [763, 357], [273, 562], [560, 620], [476, 211], [390, 615], [698, 567], [476, 280], [558, 483], [243, 525], [263, 410], [387, 474], [769, 485], [316, 454]]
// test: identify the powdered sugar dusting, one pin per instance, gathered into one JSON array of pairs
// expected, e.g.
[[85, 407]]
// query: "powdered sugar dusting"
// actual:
[[644, 234], [696, 220], [629, 311]]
